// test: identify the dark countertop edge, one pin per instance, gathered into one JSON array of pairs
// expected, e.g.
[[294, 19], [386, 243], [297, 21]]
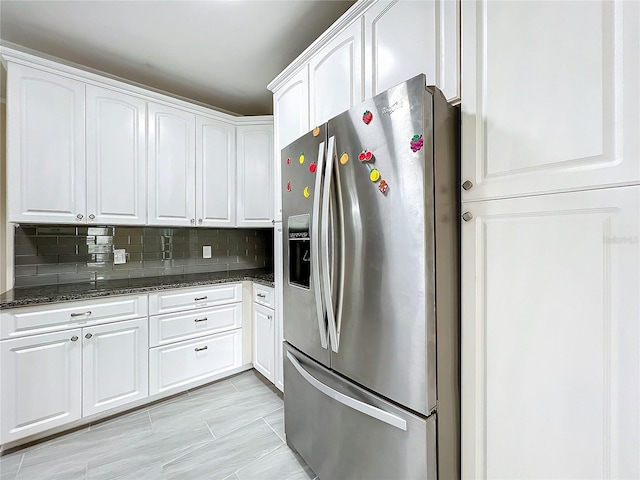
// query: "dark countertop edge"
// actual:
[[39, 295]]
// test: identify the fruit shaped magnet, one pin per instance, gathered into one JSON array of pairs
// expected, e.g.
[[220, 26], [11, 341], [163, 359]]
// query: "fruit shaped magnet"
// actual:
[[367, 116], [301, 159], [312, 167], [416, 143], [383, 187], [316, 132], [365, 156], [306, 192], [288, 161], [288, 186], [374, 175], [344, 158]]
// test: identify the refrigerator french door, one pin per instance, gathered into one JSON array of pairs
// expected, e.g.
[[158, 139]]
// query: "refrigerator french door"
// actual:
[[371, 289]]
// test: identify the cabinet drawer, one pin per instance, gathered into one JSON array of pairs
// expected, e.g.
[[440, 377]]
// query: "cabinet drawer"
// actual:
[[263, 295], [164, 329], [177, 365], [18, 322], [170, 301]]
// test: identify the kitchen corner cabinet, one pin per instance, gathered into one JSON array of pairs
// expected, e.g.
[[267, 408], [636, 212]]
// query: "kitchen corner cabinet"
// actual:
[[550, 340], [172, 166], [534, 122], [264, 331], [255, 174], [278, 266], [45, 147], [291, 120], [91, 359]]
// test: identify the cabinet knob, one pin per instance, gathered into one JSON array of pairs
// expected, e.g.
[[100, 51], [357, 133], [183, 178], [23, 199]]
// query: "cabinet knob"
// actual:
[[92, 217], [199, 221], [466, 216], [88, 335], [467, 185], [270, 317], [193, 221], [74, 338], [79, 216]]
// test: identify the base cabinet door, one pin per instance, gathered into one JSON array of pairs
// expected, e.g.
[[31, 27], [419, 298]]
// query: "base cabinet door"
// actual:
[[115, 365], [180, 364], [550, 336], [40, 380], [263, 323]]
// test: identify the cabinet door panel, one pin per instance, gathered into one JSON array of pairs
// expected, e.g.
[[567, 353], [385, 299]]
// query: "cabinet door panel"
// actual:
[[40, 379], [171, 146], [550, 335], [115, 365], [46, 142], [116, 157], [335, 75], [215, 173], [255, 177], [278, 266], [263, 340], [555, 111], [291, 120]]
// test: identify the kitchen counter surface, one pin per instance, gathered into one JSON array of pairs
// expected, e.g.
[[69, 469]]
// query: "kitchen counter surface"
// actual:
[[25, 296]]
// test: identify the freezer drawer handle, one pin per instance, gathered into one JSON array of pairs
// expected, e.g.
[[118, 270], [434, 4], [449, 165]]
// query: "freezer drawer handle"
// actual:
[[350, 402]]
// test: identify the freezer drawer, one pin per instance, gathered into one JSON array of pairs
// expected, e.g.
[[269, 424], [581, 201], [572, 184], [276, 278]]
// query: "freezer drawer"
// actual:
[[343, 431]]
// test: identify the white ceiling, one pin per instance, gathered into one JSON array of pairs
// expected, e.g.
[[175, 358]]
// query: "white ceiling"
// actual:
[[219, 52]]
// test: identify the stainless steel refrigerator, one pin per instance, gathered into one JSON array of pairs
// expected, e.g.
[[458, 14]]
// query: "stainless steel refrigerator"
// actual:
[[371, 289]]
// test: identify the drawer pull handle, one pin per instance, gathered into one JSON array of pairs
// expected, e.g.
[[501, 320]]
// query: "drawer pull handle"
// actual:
[[197, 299], [201, 319], [262, 295], [201, 348], [88, 312]]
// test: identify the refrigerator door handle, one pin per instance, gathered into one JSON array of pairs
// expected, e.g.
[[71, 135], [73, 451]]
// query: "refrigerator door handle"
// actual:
[[315, 255], [324, 245], [346, 400]]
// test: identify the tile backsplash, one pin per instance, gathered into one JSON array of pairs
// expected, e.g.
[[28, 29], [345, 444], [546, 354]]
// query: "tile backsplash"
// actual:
[[49, 255]]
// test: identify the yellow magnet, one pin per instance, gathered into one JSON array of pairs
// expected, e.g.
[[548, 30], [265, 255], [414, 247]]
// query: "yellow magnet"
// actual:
[[301, 158], [344, 158], [374, 175], [306, 192], [316, 132]]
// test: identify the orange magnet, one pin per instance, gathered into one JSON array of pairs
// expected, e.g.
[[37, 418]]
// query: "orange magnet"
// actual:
[[306, 192], [344, 158], [316, 132]]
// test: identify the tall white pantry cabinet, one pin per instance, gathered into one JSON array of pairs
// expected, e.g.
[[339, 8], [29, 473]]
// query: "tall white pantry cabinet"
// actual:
[[550, 239]]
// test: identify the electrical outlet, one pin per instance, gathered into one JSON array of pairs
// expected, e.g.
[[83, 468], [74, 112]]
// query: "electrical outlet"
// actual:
[[119, 256], [206, 251]]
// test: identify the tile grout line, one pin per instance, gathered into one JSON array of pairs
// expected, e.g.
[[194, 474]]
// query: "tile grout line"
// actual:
[[19, 466], [272, 429], [260, 457]]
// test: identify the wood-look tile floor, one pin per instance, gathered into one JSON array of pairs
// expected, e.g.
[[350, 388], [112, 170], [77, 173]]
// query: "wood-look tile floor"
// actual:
[[232, 429]]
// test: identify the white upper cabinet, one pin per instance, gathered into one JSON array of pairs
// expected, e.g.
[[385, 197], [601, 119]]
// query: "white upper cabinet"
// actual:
[[550, 96], [116, 157], [291, 120], [46, 147], [255, 174], [406, 38], [335, 75], [171, 147], [215, 173], [550, 357]]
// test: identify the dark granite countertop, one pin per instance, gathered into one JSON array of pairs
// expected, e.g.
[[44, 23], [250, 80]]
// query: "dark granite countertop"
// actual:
[[24, 296]]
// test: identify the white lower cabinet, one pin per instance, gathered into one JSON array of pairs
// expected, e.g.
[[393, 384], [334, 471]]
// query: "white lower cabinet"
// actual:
[[178, 365], [263, 340], [114, 365], [40, 383], [550, 336]]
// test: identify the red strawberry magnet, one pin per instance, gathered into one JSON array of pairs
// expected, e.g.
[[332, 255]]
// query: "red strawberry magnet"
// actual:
[[367, 116]]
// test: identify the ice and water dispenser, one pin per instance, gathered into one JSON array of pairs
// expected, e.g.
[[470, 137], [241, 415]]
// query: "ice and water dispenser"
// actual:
[[299, 250]]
